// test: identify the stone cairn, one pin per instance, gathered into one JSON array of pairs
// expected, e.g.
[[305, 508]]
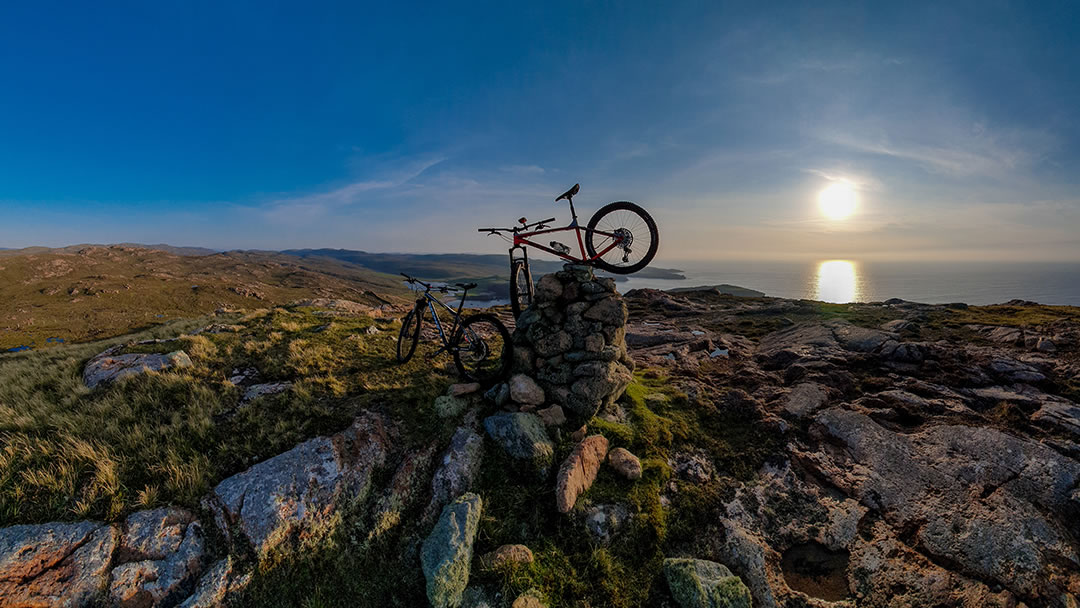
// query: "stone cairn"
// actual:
[[572, 342]]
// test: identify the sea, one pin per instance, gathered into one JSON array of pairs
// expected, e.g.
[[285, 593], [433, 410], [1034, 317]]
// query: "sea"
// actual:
[[843, 281]]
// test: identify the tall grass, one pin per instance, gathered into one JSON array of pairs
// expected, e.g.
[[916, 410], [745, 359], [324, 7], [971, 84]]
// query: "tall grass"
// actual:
[[68, 452]]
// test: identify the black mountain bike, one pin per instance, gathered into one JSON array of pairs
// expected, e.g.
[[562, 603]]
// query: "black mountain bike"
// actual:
[[480, 343], [621, 238]]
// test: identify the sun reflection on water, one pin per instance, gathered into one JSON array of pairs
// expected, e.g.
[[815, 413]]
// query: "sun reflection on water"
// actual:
[[838, 282]]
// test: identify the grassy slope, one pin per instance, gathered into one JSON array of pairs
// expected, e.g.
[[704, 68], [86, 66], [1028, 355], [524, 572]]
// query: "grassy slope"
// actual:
[[68, 452], [98, 292]]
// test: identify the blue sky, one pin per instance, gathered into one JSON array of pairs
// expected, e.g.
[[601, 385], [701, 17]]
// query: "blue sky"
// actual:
[[388, 127]]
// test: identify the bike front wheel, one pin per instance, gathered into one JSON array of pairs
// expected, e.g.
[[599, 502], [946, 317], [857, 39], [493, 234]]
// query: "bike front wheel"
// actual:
[[482, 349], [409, 336], [621, 238], [521, 288]]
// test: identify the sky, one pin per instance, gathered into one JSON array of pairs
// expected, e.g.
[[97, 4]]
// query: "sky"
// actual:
[[395, 127]]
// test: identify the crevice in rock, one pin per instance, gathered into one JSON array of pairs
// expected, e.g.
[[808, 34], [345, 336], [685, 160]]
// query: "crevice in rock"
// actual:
[[817, 571]]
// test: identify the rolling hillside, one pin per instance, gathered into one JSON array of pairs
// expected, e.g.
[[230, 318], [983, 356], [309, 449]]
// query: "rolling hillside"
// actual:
[[92, 292]]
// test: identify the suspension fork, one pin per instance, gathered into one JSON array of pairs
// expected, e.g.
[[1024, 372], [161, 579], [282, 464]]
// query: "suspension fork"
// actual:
[[524, 259]]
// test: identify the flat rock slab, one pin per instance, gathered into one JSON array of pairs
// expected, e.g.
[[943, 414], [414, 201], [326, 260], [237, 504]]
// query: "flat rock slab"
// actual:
[[578, 471], [293, 494], [107, 367], [55, 564], [805, 399], [996, 505], [836, 339]]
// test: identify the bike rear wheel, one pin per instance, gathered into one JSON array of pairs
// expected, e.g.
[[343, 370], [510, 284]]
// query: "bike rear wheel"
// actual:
[[482, 349], [409, 336], [639, 242], [521, 287]]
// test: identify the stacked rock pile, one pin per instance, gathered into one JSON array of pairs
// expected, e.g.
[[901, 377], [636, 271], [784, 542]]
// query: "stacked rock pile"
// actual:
[[572, 342]]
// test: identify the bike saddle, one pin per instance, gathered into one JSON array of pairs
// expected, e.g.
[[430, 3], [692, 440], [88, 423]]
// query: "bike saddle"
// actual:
[[467, 286], [569, 193]]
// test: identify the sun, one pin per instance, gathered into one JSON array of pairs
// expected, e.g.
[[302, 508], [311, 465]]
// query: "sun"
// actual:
[[837, 201]]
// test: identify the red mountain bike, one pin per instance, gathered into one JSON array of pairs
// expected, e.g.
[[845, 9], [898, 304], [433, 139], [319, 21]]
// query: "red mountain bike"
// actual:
[[620, 238]]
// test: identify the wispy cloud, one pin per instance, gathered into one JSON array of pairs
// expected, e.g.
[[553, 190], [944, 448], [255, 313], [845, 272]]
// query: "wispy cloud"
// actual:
[[309, 207], [523, 170]]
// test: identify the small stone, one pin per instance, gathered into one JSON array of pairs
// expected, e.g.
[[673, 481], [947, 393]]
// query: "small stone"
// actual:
[[625, 463], [554, 344], [578, 471], [507, 554], [552, 416], [548, 289], [461, 389], [256, 391], [594, 343], [525, 390], [1045, 345], [450, 407], [604, 521], [610, 311], [697, 583], [579, 434], [371, 330], [529, 599]]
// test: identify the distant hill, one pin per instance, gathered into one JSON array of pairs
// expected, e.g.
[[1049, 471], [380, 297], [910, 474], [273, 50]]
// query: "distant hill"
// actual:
[[190, 251], [492, 271], [90, 292], [723, 289]]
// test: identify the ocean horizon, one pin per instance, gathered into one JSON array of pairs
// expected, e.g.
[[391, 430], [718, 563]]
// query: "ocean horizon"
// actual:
[[849, 280]]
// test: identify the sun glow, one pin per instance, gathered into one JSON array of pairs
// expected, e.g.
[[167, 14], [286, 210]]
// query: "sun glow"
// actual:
[[837, 201], [838, 282]]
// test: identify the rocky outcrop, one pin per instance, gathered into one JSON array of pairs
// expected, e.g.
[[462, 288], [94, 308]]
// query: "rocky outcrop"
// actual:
[[578, 471], [221, 580], [506, 554], [923, 482], [698, 583], [110, 367], [570, 344], [447, 552], [159, 557], [295, 495], [55, 564]]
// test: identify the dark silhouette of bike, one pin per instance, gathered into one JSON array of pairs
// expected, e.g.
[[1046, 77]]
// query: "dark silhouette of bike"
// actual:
[[480, 343], [621, 238]]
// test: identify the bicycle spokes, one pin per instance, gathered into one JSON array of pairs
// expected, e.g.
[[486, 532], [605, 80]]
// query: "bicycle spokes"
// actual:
[[483, 347]]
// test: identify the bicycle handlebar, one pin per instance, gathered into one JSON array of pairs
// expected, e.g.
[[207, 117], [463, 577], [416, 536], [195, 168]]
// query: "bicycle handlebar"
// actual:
[[428, 286]]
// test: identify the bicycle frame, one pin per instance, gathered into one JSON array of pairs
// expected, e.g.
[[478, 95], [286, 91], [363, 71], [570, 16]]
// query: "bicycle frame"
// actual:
[[431, 301], [522, 239]]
